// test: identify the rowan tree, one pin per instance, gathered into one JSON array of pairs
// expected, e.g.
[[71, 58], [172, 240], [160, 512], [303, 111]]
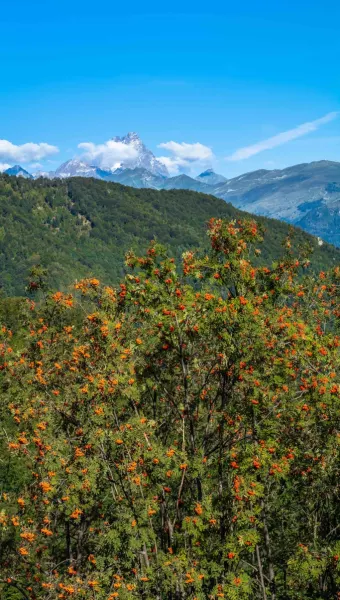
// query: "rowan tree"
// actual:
[[182, 442]]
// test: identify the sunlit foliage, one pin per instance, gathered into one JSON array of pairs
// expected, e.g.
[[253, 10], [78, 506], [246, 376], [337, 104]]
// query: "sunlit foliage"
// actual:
[[182, 442]]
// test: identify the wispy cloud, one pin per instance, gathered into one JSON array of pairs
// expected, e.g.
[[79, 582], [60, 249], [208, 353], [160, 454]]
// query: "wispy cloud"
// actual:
[[281, 138]]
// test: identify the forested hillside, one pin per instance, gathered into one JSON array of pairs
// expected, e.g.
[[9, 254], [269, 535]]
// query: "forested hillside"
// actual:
[[78, 227]]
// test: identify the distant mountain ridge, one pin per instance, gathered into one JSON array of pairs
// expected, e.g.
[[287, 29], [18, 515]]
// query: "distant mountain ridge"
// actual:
[[306, 195], [79, 168], [209, 177], [18, 171], [141, 158], [138, 178]]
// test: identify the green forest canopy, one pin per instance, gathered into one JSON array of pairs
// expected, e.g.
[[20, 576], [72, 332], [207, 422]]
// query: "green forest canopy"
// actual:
[[83, 227]]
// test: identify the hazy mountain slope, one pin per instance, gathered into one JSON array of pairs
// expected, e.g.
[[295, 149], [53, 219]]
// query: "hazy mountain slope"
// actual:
[[138, 177], [307, 195], [18, 171], [184, 182], [82, 226], [211, 178], [322, 219]]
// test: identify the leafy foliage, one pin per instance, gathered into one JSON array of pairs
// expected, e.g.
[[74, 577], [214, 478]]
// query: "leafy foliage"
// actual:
[[181, 443], [83, 227]]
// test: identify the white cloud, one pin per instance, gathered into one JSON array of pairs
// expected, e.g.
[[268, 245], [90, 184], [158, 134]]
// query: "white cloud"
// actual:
[[25, 153], [174, 164], [189, 152], [108, 155], [185, 157], [4, 166], [281, 138]]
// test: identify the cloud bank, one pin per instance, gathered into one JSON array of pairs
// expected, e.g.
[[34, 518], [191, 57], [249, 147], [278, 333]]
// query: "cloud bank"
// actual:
[[25, 153], [108, 155], [281, 138], [185, 157]]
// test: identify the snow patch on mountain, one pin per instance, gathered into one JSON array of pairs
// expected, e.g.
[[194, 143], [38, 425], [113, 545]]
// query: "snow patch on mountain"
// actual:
[[75, 168], [145, 159]]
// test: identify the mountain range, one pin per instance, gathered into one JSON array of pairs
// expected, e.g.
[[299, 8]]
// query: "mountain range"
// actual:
[[306, 195]]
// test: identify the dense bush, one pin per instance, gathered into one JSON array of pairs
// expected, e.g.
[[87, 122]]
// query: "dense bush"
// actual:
[[181, 443]]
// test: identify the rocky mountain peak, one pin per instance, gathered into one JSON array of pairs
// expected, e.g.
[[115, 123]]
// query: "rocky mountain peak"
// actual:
[[145, 159]]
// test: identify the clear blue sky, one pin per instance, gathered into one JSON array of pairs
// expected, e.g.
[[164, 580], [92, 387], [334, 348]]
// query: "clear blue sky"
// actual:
[[224, 74]]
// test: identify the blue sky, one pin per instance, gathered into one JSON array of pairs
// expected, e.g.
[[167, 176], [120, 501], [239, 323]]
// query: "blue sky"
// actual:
[[226, 75]]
